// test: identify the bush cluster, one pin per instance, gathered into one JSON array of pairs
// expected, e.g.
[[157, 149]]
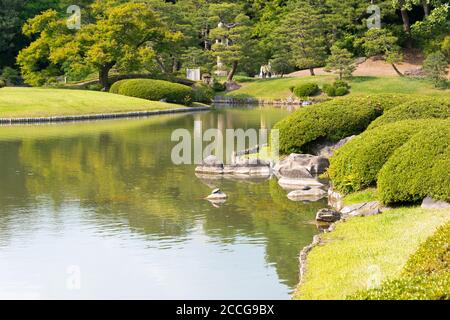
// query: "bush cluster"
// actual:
[[218, 86], [2, 83], [332, 120], [155, 90], [203, 93], [418, 169], [416, 108], [337, 89], [426, 275], [355, 166], [306, 90]]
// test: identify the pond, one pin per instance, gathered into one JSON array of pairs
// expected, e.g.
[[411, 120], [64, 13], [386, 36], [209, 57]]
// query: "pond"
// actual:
[[97, 210]]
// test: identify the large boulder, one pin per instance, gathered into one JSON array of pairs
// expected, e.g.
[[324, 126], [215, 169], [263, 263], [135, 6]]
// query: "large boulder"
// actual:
[[328, 216], [327, 149], [430, 203], [297, 166]]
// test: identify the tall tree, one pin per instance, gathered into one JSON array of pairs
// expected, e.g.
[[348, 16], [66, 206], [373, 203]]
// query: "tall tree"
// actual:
[[122, 36], [341, 62], [302, 30], [382, 42], [233, 35]]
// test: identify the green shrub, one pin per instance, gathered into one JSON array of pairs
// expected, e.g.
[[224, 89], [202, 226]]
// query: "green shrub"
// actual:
[[154, 90], [432, 256], [203, 93], [2, 83], [426, 275], [332, 120], [341, 84], [329, 89], [341, 91], [355, 166], [218, 87], [306, 90], [418, 169], [417, 108]]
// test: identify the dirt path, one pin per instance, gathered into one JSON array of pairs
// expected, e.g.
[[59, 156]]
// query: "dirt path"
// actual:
[[374, 67]]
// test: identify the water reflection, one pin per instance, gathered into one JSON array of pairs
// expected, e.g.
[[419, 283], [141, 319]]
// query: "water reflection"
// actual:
[[106, 197]]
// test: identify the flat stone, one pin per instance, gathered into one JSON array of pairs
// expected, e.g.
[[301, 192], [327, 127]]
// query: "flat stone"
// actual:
[[310, 194], [328, 216], [301, 166], [298, 184], [430, 203], [365, 209]]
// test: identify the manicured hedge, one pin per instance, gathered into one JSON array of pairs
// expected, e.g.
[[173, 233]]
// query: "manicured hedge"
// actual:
[[203, 93], [426, 275], [306, 90], [331, 120], [418, 169], [355, 166], [2, 83], [416, 108], [154, 90]]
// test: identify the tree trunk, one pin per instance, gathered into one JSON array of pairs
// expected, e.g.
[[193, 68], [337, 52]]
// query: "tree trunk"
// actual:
[[103, 76], [340, 75], [406, 27], [233, 71], [397, 71], [426, 7], [311, 70]]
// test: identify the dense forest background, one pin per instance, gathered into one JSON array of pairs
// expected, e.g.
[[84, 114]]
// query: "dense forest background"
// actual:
[[163, 37]]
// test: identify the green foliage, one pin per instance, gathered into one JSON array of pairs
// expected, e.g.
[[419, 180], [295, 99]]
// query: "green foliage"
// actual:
[[154, 90], [341, 91], [218, 86], [2, 83], [436, 68], [338, 88], [11, 76], [426, 275], [416, 108], [203, 93], [306, 90], [301, 36], [356, 165], [340, 62], [418, 169], [332, 120]]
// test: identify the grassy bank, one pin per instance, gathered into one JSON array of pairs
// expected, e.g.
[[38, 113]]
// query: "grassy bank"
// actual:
[[40, 102], [363, 252], [279, 88]]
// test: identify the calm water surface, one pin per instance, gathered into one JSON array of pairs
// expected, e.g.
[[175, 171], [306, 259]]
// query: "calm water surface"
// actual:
[[98, 210]]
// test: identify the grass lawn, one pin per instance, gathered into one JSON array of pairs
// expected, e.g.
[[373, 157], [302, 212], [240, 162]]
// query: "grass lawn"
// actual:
[[363, 252], [279, 88], [43, 102]]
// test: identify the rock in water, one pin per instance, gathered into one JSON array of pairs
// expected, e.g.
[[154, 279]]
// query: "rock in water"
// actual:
[[307, 194], [328, 216], [217, 195]]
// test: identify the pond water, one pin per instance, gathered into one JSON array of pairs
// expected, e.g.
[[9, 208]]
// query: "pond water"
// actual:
[[98, 210]]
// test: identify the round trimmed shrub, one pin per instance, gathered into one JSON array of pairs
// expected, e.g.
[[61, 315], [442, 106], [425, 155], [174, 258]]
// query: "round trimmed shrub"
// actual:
[[329, 89], [341, 83], [2, 83], [154, 90], [417, 108], [306, 90], [341, 91], [418, 169], [355, 166], [332, 120]]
